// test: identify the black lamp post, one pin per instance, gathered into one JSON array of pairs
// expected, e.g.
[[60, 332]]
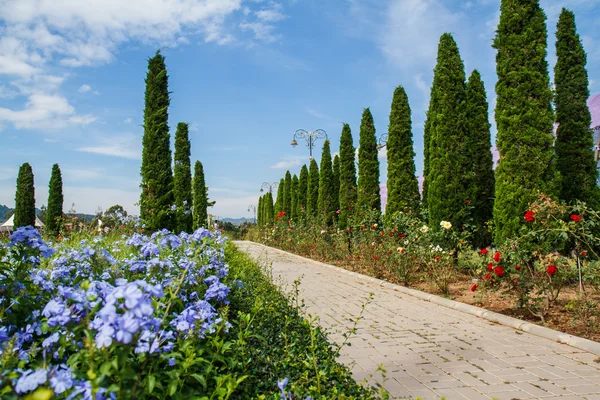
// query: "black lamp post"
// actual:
[[269, 186], [309, 137], [382, 141], [252, 208]]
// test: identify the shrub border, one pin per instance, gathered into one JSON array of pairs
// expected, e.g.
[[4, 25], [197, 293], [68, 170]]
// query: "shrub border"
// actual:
[[551, 334]]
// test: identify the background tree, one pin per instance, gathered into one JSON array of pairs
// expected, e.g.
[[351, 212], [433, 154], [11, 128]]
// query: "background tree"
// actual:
[[269, 209], [182, 179], [313, 189], [54, 211], [25, 198], [429, 127], [574, 138], [347, 192], [200, 213], [523, 115], [447, 161], [157, 177], [294, 198], [279, 201], [402, 184], [480, 176], [336, 182], [287, 194], [259, 211], [302, 192], [326, 202], [368, 165]]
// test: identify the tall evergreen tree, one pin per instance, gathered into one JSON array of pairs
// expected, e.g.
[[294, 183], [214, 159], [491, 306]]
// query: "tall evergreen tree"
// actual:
[[326, 201], [259, 211], [313, 190], [429, 127], [524, 115], [287, 194], [336, 182], [280, 200], [269, 209], [294, 201], [447, 161], [368, 165], [480, 175], [200, 213], [55, 201], [182, 179], [402, 184], [25, 198], [574, 139], [302, 192], [157, 177], [348, 190]]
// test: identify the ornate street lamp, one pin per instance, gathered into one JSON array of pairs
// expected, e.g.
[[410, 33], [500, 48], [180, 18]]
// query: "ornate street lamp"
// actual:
[[269, 186], [252, 207], [309, 137], [382, 141]]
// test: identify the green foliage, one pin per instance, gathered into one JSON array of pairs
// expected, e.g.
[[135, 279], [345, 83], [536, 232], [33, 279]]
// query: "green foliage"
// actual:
[[368, 165], [447, 158], [574, 138], [524, 115], [348, 190], [302, 192], [279, 201], [287, 194], [200, 213], [54, 211], [402, 185], [157, 178], [428, 129], [336, 181], [326, 201], [25, 198], [480, 173], [182, 179], [269, 212], [259, 211], [294, 201], [312, 206]]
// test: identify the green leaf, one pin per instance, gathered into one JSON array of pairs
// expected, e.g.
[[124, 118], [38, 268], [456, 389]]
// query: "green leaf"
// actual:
[[151, 383]]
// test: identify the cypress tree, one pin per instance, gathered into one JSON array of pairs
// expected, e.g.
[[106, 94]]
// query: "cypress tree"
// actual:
[[336, 182], [287, 194], [368, 165], [348, 191], [261, 206], [429, 127], [157, 177], [313, 190], [182, 179], [447, 161], [523, 115], [402, 184], [480, 176], [302, 192], [269, 209], [200, 197], [294, 201], [326, 202], [279, 201], [574, 139], [25, 198], [55, 201]]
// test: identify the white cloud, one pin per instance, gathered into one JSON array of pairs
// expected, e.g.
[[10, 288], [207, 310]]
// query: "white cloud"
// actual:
[[45, 112], [287, 163], [262, 31], [84, 88], [128, 120], [125, 146], [231, 207], [273, 14]]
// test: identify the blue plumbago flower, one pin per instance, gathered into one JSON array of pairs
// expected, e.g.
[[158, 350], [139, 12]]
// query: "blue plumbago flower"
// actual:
[[57, 313], [173, 207], [50, 340], [216, 290], [30, 380], [171, 362], [149, 249], [199, 312], [281, 385], [61, 379]]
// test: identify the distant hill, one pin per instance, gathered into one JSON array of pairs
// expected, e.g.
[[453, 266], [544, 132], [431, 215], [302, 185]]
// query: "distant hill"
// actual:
[[237, 221], [4, 212]]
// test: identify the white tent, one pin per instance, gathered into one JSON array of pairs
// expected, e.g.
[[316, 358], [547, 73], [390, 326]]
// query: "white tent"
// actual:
[[9, 225]]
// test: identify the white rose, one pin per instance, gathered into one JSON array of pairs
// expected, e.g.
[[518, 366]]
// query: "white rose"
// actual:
[[425, 229], [445, 224]]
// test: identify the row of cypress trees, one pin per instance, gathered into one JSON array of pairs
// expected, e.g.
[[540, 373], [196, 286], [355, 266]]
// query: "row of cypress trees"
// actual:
[[162, 186], [25, 199]]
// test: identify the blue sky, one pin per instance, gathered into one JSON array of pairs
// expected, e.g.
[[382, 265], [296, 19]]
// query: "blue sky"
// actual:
[[245, 74]]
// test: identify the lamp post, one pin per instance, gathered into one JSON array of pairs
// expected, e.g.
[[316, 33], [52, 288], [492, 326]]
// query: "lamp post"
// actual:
[[269, 186], [382, 141], [252, 207], [309, 137]]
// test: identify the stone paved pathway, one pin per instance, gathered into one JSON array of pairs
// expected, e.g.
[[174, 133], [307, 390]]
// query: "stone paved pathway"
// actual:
[[432, 351]]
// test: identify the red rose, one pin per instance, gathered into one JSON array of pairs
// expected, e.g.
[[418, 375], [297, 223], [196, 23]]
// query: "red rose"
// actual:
[[376, 258], [483, 252], [575, 217], [402, 235], [474, 288], [584, 253], [499, 270], [497, 256], [529, 216], [468, 201], [490, 266], [487, 276], [551, 270], [518, 267]]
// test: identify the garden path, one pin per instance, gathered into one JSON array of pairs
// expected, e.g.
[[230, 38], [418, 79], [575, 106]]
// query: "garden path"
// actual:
[[429, 350]]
